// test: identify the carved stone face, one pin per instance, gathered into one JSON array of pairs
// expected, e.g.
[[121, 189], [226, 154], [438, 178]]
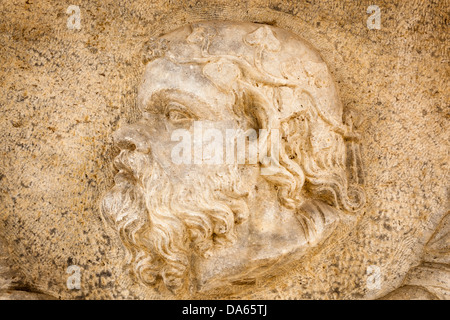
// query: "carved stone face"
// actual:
[[195, 225]]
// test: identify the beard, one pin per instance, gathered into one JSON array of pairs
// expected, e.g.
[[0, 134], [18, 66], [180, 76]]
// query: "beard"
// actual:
[[163, 223]]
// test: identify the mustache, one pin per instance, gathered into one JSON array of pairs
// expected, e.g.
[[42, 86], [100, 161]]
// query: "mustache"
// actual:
[[160, 221], [130, 165]]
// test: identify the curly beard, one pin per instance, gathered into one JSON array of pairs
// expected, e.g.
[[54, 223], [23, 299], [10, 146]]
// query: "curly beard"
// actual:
[[162, 223]]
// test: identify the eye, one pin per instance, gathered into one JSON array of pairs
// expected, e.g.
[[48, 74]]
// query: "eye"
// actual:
[[177, 116]]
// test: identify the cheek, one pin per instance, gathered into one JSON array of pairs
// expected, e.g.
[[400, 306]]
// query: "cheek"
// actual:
[[161, 146], [176, 147], [166, 139]]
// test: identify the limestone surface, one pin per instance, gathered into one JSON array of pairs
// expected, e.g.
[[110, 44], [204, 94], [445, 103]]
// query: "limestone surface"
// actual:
[[89, 94]]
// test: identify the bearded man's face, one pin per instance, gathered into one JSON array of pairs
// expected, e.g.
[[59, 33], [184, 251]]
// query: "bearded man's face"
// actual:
[[165, 212], [184, 220]]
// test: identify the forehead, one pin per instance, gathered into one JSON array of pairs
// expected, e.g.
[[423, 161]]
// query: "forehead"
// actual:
[[182, 83]]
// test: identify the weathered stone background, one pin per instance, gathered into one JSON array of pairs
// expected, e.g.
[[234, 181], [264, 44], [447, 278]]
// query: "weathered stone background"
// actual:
[[63, 92]]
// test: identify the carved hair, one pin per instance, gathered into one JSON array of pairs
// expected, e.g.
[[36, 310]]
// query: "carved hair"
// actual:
[[160, 223], [319, 153]]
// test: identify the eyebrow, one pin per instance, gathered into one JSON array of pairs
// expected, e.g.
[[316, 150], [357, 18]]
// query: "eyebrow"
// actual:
[[189, 102]]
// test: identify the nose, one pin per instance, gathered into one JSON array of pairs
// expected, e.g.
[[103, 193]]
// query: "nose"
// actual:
[[134, 137]]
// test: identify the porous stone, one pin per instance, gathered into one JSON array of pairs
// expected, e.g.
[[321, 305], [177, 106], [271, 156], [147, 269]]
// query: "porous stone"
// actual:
[[354, 207]]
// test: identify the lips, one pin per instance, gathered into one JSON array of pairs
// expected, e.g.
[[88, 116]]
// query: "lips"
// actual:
[[123, 177], [121, 162]]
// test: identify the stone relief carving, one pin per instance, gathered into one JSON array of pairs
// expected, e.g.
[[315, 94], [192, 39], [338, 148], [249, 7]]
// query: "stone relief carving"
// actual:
[[430, 280], [190, 227], [69, 79]]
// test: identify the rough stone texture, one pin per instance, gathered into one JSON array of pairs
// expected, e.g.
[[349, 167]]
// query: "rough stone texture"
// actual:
[[63, 93], [194, 222], [430, 279]]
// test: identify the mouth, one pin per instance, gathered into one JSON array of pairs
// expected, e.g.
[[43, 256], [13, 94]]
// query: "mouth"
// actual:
[[124, 177], [122, 163]]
